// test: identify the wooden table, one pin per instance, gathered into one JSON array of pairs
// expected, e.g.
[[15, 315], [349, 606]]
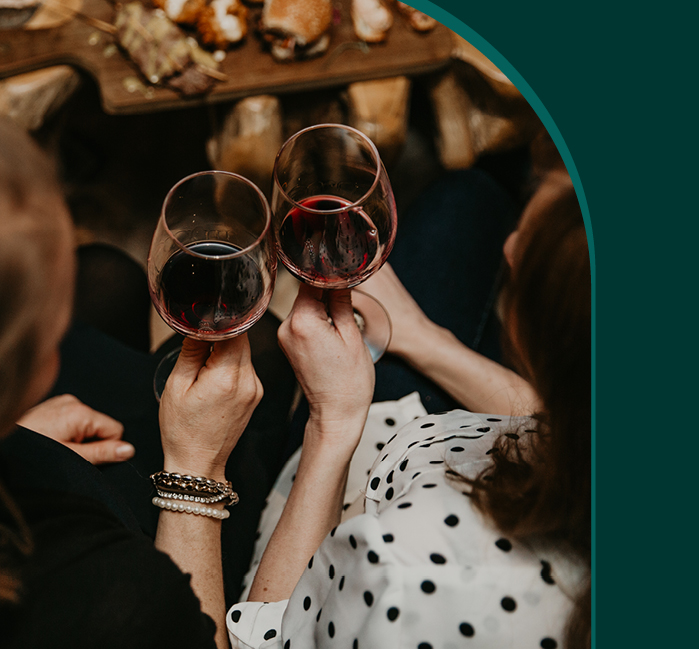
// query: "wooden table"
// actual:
[[250, 69]]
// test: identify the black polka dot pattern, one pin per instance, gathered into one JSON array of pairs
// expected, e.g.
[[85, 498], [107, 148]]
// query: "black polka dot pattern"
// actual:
[[428, 587], [546, 573], [508, 604], [504, 545], [439, 533], [467, 630], [512, 435]]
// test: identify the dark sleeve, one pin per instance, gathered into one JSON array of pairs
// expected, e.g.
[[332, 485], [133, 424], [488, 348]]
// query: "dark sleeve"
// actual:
[[91, 583]]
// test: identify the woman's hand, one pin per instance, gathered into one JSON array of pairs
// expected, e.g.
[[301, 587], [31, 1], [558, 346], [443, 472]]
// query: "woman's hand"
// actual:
[[92, 434], [331, 362], [410, 325], [206, 405]]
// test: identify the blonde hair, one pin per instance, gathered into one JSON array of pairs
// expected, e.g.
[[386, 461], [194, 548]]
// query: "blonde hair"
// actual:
[[30, 228]]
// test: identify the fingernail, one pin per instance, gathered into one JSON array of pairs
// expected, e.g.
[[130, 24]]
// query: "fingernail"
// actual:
[[124, 451]]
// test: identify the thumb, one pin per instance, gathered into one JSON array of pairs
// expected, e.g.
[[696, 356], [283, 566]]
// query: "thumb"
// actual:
[[105, 451]]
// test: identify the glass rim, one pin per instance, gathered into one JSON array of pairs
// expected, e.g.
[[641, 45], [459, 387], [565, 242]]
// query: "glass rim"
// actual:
[[329, 125], [229, 175]]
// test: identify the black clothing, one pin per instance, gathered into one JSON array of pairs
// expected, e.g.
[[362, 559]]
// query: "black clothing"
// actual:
[[89, 581]]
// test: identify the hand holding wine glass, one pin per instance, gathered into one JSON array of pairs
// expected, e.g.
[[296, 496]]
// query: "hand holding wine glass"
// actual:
[[211, 265]]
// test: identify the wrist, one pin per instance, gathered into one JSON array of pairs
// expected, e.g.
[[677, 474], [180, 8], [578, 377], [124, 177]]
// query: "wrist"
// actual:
[[195, 467], [419, 345], [332, 440]]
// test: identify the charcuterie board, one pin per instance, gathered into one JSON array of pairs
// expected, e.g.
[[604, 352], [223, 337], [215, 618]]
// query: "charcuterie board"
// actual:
[[249, 68]]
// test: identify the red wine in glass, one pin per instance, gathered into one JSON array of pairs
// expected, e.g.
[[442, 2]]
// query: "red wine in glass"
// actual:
[[332, 249], [208, 295]]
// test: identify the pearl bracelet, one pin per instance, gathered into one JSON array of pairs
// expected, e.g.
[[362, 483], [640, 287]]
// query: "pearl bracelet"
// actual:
[[190, 508]]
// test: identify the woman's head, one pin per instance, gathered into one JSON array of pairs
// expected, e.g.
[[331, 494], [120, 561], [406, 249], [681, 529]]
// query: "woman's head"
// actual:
[[36, 273]]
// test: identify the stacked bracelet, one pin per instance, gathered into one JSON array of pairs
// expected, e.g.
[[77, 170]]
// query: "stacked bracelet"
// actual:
[[190, 508], [192, 495], [190, 488]]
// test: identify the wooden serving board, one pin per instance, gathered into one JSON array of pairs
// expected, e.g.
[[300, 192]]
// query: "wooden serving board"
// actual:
[[250, 68]]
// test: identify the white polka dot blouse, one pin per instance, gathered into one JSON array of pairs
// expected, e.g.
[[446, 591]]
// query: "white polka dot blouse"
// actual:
[[414, 565]]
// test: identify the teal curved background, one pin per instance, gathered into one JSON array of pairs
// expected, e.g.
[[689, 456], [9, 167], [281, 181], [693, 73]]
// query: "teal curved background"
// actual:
[[614, 85]]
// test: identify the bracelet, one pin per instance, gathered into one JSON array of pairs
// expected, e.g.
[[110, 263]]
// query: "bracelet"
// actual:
[[195, 489], [207, 500], [191, 508]]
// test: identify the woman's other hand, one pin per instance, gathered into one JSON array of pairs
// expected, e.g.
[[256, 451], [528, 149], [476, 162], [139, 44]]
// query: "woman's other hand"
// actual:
[[331, 362], [91, 434], [411, 327], [206, 405]]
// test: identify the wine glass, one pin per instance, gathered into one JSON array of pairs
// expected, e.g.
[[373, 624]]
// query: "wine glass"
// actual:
[[212, 263], [333, 212]]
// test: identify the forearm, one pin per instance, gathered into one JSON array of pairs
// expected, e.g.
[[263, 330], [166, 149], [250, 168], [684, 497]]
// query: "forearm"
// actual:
[[475, 381], [193, 542], [313, 509]]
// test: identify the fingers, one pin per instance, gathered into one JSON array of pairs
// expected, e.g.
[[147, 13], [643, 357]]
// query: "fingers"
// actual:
[[234, 350], [191, 359], [104, 451], [341, 312], [309, 301], [103, 426]]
